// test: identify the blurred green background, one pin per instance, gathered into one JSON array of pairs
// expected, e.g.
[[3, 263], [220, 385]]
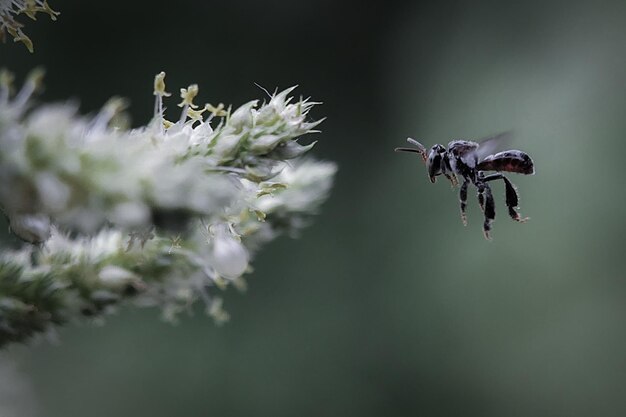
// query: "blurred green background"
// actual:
[[387, 305]]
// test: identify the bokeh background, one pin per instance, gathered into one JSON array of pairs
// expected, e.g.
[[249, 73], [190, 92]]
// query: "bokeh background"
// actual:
[[387, 305]]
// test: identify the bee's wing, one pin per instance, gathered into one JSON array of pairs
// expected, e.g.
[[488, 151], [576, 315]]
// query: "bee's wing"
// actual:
[[492, 144]]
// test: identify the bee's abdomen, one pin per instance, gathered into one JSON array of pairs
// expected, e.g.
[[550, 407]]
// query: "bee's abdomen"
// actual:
[[508, 161]]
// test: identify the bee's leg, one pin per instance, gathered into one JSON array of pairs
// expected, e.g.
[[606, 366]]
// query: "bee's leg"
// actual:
[[463, 198], [512, 199], [445, 168], [481, 198], [452, 178], [485, 199], [480, 186]]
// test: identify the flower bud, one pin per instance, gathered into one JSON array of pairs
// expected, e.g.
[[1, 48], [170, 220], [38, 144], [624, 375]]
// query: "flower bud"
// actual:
[[242, 117], [228, 255], [32, 228], [115, 277]]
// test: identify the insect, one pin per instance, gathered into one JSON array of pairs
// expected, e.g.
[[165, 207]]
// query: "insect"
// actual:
[[469, 160]]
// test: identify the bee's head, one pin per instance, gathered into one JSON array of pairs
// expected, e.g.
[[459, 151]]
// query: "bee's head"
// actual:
[[435, 157]]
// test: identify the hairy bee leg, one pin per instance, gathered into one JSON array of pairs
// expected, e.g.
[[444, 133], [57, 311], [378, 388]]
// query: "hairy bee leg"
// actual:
[[512, 198], [452, 178], [445, 169], [463, 198], [489, 208]]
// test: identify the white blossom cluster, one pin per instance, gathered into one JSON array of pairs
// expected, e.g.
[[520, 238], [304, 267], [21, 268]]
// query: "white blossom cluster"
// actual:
[[158, 214], [10, 9]]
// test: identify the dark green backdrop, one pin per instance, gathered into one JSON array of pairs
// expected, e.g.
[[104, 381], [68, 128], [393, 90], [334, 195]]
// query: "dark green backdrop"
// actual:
[[387, 305]]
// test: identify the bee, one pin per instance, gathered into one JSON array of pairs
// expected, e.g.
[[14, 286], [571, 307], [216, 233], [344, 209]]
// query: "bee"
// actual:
[[470, 160]]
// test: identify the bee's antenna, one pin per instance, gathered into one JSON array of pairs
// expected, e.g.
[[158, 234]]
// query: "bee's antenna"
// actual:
[[408, 150], [419, 148], [414, 142]]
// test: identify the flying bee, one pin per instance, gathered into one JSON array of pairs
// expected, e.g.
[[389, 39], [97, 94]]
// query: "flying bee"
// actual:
[[469, 160]]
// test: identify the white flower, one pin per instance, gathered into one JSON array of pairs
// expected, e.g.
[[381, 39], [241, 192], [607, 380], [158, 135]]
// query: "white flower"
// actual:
[[120, 214], [309, 183]]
